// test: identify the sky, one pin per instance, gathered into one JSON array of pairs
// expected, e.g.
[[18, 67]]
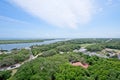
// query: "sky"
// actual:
[[59, 19]]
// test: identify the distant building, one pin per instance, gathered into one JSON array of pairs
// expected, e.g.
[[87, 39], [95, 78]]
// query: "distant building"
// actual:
[[80, 64], [80, 50], [27, 48], [61, 52], [1, 52], [118, 56]]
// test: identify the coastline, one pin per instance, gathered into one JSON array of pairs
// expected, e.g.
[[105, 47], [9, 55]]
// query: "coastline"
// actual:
[[22, 41]]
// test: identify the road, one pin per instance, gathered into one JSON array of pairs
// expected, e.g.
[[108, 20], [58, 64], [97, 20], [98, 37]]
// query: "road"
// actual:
[[32, 57]]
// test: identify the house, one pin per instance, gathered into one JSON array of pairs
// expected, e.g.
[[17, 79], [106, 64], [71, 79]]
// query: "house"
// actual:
[[118, 56], [61, 52], [1, 52], [82, 49], [80, 64]]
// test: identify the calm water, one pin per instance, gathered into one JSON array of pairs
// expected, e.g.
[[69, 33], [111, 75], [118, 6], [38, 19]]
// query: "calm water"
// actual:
[[23, 45]]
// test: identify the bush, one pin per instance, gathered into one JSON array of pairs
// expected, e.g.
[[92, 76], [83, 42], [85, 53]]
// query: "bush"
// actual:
[[4, 75]]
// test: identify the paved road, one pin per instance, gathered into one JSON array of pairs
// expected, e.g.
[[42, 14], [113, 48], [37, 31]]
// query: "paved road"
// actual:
[[18, 64]]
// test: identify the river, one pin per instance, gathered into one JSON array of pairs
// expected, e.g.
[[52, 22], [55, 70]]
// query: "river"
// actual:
[[23, 45]]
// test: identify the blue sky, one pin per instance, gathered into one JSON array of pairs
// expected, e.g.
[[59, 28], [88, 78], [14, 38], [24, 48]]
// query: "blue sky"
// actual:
[[59, 19]]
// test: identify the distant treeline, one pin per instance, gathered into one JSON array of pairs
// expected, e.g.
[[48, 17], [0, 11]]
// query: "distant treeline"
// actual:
[[22, 41]]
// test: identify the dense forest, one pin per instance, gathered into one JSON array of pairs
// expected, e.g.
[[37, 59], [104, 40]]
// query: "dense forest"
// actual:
[[55, 61], [58, 67], [13, 58]]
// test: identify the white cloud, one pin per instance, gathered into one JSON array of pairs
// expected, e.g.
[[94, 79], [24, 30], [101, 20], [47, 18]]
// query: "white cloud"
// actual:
[[62, 13]]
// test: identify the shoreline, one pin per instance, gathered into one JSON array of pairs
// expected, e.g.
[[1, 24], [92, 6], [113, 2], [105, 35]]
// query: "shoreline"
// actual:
[[22, 41]]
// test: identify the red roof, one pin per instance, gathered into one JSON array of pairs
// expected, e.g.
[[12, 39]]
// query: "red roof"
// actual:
[[80, 64]]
